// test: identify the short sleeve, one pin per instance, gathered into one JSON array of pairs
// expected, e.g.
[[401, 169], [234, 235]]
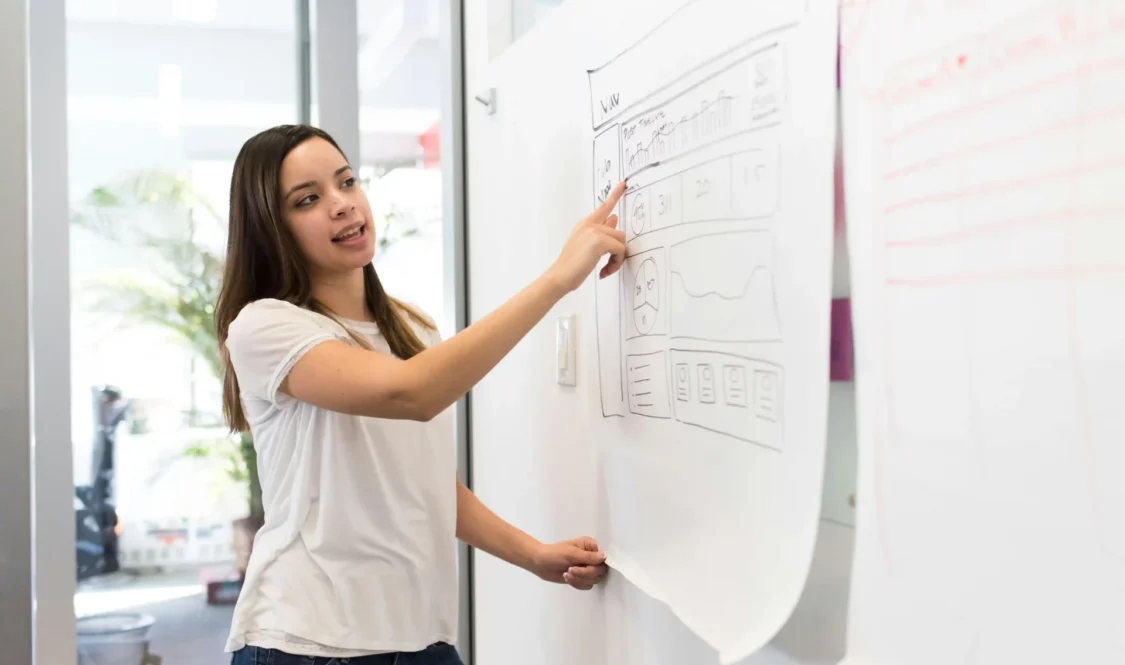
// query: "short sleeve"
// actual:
[[266, 340], [426, 329], [429, 333]]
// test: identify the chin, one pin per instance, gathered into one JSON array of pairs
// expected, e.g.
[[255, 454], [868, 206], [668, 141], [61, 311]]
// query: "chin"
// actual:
[[361, 259]]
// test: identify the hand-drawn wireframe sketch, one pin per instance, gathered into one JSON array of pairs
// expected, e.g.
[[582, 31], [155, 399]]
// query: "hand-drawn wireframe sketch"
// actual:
[[722, 288], [728, 394], [646, 296], [665, 199], [735, 187], [607, 166], [648, 385], [715, 329], [707, 190], [607, 296], [700, 153], [607, 173], [637, 213], [754, 183], [645, 313]]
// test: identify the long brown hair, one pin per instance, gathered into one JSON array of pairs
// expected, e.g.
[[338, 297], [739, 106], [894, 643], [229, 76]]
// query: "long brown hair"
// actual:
[[263, 260]]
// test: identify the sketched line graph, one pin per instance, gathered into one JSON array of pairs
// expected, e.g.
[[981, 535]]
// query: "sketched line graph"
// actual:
[[723, 290]]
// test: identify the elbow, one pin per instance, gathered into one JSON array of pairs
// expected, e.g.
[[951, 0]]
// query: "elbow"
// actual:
[[405, 405], [418, 403], [418, 396], [424, 413], [398, 407], [428, 405]]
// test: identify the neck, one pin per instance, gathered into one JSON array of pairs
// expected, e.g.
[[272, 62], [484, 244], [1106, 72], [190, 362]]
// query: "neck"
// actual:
[[343, 294]]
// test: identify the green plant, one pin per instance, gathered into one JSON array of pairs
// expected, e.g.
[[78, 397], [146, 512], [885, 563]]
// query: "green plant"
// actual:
[[391, 224], [241, 461], [391, 227], [167, 223]]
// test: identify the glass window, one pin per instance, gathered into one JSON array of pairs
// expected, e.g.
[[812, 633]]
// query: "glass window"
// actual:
[[400, 158], [161, 97]]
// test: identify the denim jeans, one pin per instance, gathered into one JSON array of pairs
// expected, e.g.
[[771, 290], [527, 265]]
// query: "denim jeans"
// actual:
[[435, 654]]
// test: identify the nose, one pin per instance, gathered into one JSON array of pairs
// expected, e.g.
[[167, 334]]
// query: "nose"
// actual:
[[340, 205]]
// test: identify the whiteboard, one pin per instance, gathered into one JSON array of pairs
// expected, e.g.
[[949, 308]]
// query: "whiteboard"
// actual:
[[984, 149], [712, 340]]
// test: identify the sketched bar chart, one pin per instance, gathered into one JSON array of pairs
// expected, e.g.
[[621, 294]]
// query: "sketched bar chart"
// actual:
[[744, 97]]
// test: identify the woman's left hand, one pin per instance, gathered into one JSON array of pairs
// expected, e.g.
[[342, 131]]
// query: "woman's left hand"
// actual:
[[577, 562]]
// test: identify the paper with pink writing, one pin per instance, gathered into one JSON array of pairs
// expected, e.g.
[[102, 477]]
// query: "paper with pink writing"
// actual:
[[984, 147]]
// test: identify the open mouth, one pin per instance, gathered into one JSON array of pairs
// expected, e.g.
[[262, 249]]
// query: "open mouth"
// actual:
[[352, 234]]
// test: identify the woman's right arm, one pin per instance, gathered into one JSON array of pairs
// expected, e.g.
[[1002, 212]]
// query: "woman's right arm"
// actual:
[[339, 377]]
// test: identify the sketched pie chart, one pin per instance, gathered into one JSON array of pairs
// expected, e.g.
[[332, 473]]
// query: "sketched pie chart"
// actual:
[[639, 215], [646, 296]]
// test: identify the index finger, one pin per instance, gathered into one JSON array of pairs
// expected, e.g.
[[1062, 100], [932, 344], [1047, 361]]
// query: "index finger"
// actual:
[[610, 201]]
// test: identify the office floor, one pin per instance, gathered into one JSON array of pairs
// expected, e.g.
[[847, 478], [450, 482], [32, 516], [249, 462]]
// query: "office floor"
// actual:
[[187, 631]]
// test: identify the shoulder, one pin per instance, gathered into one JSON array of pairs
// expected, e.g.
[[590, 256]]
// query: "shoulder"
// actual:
[[266, 339], [272, 315], [264, 312]]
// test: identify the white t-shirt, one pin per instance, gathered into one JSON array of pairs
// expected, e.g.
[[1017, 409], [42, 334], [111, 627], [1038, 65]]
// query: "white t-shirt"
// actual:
[[358, 552]]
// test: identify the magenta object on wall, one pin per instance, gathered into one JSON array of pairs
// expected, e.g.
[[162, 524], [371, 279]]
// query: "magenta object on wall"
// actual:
[[840, 214], [840, 350]]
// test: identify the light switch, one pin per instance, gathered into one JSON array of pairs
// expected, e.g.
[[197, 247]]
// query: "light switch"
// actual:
[[564, 351], [562, 361]]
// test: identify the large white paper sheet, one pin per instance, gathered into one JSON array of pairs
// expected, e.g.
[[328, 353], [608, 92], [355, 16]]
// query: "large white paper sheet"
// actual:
[[713, 340], [984, 162]]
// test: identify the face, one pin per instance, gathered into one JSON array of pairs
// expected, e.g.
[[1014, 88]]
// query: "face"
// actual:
[[326, 210]]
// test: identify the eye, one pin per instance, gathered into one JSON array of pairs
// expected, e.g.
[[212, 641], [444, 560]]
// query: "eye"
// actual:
[[350, 182], [307, 201]]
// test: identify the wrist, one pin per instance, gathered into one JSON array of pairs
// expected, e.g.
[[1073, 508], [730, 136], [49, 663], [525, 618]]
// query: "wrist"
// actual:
[[529, 554], [554, 287]]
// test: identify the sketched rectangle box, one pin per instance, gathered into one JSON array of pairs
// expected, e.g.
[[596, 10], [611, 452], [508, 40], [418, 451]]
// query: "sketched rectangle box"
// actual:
[[648, 385], [732, 395], [644, 283]]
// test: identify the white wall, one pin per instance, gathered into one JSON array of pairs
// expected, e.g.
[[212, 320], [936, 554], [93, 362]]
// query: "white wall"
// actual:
[[534, 460]]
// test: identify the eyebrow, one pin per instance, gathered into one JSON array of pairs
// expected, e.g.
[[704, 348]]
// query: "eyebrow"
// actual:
[[310, 183]]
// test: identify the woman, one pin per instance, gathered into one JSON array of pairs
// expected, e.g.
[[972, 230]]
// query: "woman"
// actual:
[[346, 392]]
